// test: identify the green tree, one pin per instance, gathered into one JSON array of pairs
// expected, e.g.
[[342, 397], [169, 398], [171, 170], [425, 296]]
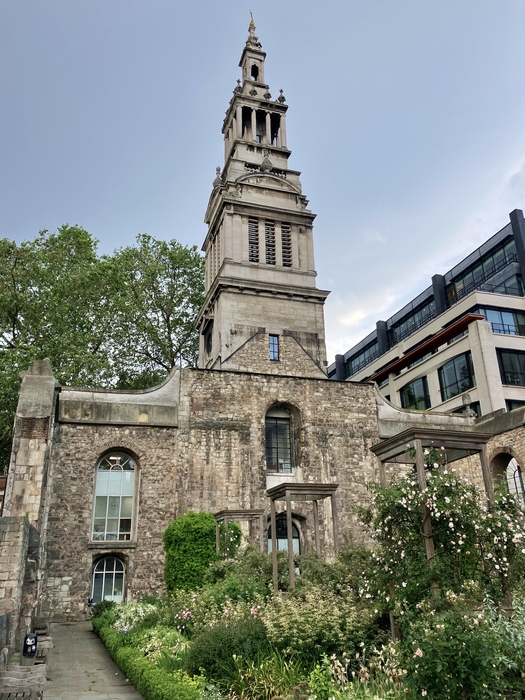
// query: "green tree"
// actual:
[[120, 321], [158, 289]]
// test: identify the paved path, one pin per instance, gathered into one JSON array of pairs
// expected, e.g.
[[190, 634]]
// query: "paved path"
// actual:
[[81, 668]]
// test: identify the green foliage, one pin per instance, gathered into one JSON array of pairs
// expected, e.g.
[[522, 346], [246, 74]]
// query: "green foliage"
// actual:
[[273, 676], [449, 654], [321, 681], [151, 681], [132, 616], [190, 548], [214, 649], [59, 299], [100, 608]]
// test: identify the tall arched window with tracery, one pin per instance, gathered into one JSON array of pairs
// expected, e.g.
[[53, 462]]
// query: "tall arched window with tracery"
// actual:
[[114, 496]]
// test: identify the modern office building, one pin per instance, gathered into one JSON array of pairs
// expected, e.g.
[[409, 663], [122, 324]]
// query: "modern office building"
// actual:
[[460, 342]]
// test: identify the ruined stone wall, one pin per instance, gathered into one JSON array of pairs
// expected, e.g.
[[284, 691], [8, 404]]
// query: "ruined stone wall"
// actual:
[[214, 459], [14, 541]]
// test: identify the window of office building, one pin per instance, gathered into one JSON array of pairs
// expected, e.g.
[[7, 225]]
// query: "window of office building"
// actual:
[[504, 321], [278, 442], [456, 376], [482, 270], [361, 359], [512, 367], [412, 321], [415, 395], [512, 404], [114, 494]]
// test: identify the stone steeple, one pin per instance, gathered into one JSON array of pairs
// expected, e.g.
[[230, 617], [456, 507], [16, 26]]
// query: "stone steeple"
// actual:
[[260, 273]]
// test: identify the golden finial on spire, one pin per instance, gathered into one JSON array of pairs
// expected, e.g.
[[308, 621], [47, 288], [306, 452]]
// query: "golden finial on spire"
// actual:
[[251, 27]]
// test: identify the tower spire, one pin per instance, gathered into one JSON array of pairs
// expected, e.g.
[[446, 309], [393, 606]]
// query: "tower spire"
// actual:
[[260, 272]]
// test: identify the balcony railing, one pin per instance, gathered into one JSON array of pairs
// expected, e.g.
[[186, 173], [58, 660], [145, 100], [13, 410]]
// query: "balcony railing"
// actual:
[[508, 328], [514, 378]]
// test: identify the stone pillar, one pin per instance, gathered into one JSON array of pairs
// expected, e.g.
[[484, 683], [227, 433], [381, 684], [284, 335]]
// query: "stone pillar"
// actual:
[[238, 119], [254, 124], [268, 135], [279, 140], [282, 131]]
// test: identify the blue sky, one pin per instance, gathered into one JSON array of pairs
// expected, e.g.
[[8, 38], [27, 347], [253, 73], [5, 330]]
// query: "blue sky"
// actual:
[[407, 120]]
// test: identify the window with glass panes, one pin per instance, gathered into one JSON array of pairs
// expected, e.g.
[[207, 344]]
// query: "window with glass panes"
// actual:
[[278, 447], [504, 321], [274, 348], [512, 367], [456, 376], [114, 492], [108, 580], [415, 395]]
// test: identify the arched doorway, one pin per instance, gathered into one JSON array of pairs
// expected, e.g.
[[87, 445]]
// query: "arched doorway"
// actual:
[[506, 469], [108, 580]]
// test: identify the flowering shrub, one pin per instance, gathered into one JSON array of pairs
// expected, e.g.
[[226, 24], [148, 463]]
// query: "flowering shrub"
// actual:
[[474, 546], [129, 616], [313, 621], [156, 640], [449, 654]]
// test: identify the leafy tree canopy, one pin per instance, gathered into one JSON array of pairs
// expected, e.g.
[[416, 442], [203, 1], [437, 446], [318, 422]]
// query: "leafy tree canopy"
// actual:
[[119, 321]]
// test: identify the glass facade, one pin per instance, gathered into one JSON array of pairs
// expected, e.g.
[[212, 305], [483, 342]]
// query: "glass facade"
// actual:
[[512, 367], [410, 323], [114, 493], [361, 359], [415, 395], [278, 447], [482, 270]]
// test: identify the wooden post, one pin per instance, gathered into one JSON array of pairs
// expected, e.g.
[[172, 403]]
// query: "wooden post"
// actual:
[[427, 525], [226, 523], [335, 523], [261, 533], [274, 546], [487, 476], [382, 473], [217, 538], [316, 529], [291, 566]]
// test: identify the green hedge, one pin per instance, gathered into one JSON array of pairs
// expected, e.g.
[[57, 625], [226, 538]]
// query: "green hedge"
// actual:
[[150, 680]]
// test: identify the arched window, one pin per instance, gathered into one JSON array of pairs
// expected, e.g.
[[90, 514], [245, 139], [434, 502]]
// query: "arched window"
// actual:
[[114, 493], [108, 580], [278, 443], [515, 480], [254, 72], [282, 537]]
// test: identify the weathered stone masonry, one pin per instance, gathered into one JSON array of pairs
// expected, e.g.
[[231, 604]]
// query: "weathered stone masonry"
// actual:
[[213, 459]]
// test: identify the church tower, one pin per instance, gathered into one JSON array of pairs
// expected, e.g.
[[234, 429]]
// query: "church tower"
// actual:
[[262, 311]]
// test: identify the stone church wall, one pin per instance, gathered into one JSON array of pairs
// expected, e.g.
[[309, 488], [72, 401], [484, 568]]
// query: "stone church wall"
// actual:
[[213, 460]]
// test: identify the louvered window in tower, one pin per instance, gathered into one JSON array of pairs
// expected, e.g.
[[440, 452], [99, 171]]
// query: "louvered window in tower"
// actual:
[[253, 240], [286, 240], [269, 237]]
